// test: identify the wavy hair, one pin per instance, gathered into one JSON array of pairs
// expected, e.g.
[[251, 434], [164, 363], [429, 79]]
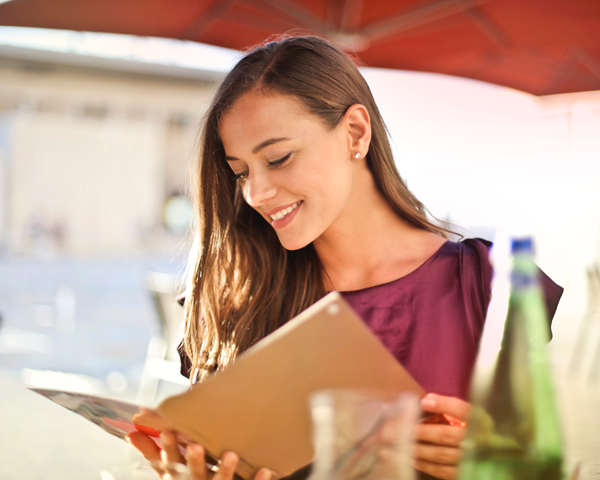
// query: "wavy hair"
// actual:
[[242, 283]]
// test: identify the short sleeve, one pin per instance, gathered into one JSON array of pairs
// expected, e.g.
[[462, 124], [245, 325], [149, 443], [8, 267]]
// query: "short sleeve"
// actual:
[[180, 299], [477, 272], [552, 294], [552, 291], [185, 362]]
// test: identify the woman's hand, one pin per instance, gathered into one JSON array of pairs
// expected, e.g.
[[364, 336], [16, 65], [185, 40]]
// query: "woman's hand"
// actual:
[[195, 460], [437, 451]]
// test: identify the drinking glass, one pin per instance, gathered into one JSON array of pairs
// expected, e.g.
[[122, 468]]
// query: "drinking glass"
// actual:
[[362, 435]]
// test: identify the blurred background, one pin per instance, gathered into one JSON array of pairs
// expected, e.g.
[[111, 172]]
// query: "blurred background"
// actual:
[[97, 137]]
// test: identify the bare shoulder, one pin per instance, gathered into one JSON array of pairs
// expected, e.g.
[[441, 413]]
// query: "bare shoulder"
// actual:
[[429, 243], [417, 247]]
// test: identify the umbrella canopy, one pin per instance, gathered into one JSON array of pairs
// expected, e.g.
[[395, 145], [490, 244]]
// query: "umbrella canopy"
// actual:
[[538, 46]]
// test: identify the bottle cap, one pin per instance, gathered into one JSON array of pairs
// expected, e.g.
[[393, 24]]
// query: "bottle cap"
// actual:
[[522, 245]]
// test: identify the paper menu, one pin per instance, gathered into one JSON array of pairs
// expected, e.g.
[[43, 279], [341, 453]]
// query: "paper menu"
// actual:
[[258, 406]]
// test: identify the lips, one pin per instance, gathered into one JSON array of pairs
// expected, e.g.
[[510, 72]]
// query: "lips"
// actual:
[[284, 211], [282, 216]]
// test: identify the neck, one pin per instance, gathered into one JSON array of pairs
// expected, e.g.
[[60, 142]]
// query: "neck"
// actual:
[[369, 244]]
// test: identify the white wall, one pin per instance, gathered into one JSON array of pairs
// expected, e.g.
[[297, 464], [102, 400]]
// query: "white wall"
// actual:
[[101, 180], [487, 156], [95, 154]]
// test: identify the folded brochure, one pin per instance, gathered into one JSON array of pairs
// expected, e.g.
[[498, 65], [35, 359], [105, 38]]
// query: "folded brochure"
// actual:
[[258, 406]]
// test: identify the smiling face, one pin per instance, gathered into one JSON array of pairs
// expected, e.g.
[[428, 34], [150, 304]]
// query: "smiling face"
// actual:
[[295, 172]]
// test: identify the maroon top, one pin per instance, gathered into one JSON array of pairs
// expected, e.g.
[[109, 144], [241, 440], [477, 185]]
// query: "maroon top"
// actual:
[[431, 320]]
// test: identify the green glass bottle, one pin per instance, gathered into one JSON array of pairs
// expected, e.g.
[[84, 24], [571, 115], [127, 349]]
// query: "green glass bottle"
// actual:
[[514, 431]]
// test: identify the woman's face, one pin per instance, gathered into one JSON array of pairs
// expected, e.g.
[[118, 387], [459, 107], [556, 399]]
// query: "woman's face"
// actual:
[[295, 172]]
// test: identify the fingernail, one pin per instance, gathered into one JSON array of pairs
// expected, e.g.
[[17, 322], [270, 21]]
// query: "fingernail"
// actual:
[[266, 474], [165, 439], [229, 461], [194, 451], [428, 402]]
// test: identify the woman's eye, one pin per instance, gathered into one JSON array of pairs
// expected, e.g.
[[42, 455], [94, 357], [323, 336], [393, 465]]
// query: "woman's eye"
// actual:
[[274, 163]]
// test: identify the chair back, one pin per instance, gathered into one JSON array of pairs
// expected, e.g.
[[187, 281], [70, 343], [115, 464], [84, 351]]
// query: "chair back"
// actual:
[[163, 290]]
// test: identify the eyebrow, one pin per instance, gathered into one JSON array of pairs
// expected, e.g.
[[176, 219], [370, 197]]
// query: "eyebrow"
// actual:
[[260, 146]]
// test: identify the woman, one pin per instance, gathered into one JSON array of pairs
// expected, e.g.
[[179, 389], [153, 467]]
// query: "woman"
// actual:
[[298, 195]]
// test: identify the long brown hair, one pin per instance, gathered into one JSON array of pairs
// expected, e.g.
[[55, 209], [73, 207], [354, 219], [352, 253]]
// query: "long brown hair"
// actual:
[[243, 284]]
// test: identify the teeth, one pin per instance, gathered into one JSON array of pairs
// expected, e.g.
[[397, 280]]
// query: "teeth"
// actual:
[[282, 213]]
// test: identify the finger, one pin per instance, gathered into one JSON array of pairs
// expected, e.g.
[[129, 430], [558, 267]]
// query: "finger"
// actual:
[[391, 431], [263, 474], [149, 450], [196, 462], [145, 445], [227, 466], [389, 454], [437, 454], [440, 434], [170, 453], [445, 472], [455, 407]]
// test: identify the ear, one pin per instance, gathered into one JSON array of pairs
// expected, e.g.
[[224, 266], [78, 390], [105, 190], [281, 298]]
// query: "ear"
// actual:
[[358, 125]]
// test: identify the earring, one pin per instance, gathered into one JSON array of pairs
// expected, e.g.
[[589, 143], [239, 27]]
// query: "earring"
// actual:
[[357, 155]]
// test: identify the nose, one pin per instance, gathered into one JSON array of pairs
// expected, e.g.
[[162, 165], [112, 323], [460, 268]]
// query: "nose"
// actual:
[[258, 188]]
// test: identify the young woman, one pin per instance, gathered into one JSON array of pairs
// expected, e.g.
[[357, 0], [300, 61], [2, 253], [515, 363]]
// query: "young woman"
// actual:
[[298, 195]]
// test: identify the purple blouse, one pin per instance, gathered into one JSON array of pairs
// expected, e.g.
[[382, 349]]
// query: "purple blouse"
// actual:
[[431, 320]]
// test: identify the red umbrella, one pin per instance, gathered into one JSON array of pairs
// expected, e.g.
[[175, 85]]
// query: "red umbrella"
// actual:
[[538, 46]]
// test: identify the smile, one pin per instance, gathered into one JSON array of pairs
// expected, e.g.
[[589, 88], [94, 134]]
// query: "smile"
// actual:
[[282, 213]]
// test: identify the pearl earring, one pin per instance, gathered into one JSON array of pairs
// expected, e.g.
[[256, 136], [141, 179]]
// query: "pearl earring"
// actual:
[[357, 155]]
